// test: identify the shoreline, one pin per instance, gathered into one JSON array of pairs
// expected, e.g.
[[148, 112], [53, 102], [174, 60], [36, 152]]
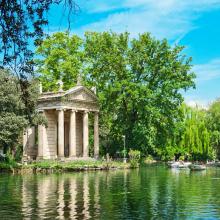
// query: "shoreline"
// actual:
[[49, 167], [54, 166]]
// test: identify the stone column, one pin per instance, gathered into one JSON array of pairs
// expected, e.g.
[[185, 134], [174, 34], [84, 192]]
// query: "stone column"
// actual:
[[25, 142], [41, 139], [85, 135], [60, 133], [96, 135], [72, 134], [29, 147]]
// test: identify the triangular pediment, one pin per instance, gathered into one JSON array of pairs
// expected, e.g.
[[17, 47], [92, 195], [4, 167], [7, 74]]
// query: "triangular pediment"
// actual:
[[81, 93]]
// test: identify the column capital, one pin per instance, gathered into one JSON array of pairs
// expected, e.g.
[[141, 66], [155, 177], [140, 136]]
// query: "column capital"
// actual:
[[40, 110], [73, 110], [61, 109]]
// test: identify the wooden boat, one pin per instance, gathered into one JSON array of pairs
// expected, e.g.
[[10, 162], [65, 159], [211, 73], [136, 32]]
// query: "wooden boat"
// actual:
[[197, 167]]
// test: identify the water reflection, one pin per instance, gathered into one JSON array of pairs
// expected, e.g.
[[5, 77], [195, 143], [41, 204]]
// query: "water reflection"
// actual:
[[61, 196], [147, 193]]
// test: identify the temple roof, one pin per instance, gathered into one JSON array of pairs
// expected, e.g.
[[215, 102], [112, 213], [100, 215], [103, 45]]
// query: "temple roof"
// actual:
[[78, 92]]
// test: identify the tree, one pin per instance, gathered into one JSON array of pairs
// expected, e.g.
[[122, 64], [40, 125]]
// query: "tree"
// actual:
[[21, 28], [62, 58], [139, 83], [196, 138], [213, 116], [13, 119], [192, 136]]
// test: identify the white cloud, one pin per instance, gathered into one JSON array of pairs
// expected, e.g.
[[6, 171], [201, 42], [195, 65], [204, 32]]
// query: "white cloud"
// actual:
[[161, 5], [208, 71], [136, 23], [205, 93], [202, 104], [170, 19]]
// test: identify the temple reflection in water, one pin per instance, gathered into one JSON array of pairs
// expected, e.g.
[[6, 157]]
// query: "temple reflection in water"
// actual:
[[146, 193], [62, 196]]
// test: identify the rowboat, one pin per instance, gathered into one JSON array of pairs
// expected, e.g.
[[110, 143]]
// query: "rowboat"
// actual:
[[178, 164], [197, 167]]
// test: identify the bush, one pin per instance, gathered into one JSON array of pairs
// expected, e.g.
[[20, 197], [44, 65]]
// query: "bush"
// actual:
[[134, 156], [149, 159], [167, 153]]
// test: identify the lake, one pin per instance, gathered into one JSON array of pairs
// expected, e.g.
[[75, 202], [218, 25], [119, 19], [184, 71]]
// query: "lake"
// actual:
[[151, 192]]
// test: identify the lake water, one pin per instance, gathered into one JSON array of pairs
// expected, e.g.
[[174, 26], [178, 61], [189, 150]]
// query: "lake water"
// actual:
[[153, 192]]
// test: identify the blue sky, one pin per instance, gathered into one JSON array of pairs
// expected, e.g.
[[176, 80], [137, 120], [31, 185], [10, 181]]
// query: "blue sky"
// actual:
[[193, 23]]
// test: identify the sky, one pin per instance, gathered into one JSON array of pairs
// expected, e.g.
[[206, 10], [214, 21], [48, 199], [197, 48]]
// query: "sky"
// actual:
[[192, 23]]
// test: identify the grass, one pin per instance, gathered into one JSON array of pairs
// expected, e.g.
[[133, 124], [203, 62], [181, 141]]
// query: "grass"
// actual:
[[65, 166], [80, 164], [9, 165]]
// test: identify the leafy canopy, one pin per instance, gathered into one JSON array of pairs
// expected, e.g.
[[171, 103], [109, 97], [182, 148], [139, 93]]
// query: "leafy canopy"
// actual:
[[21, 29], [138, 80], [213, 120], [13, 117]]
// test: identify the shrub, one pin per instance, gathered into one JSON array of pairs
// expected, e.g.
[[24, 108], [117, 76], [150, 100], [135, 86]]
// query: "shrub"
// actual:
[[182, 158], [134, 156], [149, 159]]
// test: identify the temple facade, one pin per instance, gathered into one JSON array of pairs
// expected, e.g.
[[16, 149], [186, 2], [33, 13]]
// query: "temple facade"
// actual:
[[66, 134]]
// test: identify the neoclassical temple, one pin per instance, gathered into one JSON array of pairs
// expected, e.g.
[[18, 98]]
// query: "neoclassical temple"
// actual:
[[67, 132]]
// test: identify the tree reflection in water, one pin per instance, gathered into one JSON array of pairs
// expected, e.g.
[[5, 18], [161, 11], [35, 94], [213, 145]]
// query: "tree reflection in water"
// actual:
[[146, 193]]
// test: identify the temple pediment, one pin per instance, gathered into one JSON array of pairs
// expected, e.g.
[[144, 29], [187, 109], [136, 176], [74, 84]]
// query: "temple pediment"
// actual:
[[81, 93], [78, 97]]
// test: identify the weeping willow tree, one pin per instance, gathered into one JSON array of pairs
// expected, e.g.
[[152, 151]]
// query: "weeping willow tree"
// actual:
[[196, 136], [192, 138], [213, 116]]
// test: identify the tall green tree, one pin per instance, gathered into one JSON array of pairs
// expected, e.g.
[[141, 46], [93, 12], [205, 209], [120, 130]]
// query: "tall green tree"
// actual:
[[62, 59], [191, 137], [13, 117], [196, 138], [139, 83], [21, 29], [12, 120], [214, 125]]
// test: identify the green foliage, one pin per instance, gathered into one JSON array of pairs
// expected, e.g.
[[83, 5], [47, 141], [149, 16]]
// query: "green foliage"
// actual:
[[134, 156], [138, 82], [76, 164], [192, 136], [213, 119], [13, 115], [12, 119], [182, 158], [148, 159], [196, 138], [62, 60], [166, 153], [9, 163]]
